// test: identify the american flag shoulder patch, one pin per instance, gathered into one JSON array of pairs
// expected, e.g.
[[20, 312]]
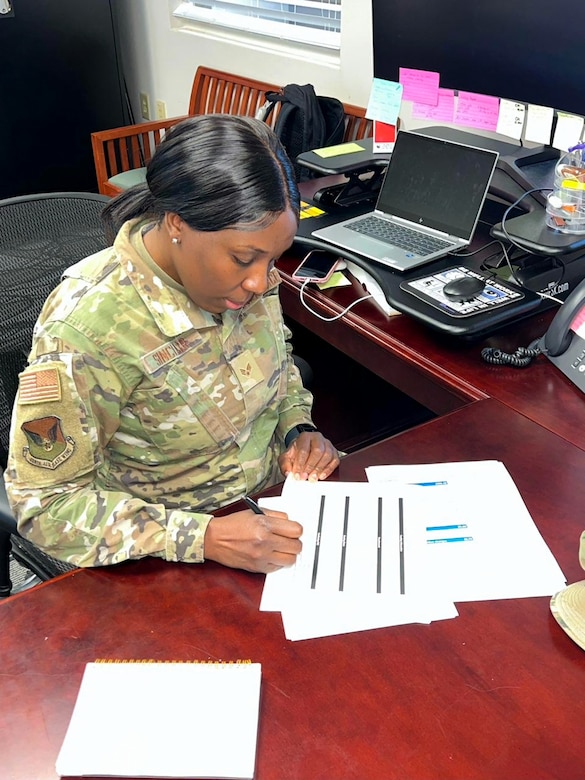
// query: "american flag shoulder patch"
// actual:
[[39, 385]]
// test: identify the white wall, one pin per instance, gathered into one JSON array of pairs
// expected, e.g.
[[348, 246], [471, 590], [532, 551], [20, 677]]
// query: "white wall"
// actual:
[[161, 60]]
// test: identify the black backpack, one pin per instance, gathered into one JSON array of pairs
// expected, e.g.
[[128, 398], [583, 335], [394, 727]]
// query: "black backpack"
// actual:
[[305, 121]]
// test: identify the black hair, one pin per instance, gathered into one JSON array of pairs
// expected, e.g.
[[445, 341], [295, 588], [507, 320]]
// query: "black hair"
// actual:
[[216, 172]]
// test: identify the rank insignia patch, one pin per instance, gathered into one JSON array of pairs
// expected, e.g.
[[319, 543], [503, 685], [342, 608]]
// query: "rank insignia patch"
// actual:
[[247, 370], [48, 446]]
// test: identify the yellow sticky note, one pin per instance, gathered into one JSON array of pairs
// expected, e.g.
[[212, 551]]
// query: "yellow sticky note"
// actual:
[[309, 211], [336, 279], [333, 151]]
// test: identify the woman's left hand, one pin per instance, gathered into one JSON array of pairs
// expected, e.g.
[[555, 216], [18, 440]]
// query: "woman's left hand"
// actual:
[[311, 456]]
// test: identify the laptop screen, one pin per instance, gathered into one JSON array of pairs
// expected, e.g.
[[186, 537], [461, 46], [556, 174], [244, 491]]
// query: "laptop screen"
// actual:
[[436, 183]]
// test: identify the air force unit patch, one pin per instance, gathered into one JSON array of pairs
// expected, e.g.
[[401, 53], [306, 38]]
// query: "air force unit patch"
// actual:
[[47, 447]]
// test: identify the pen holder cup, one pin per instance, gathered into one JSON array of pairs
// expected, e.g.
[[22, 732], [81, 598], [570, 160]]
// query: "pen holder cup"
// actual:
[[565, 205]]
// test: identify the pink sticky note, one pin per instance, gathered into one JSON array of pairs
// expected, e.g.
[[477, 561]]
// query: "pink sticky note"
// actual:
[[420, 86], [474, 110], [444, 111]]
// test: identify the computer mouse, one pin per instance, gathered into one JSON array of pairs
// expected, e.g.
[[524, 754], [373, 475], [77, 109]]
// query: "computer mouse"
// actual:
[[464, 288]]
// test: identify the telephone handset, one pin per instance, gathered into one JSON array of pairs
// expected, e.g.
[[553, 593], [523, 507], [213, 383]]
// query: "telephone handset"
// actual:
[[562, 345]]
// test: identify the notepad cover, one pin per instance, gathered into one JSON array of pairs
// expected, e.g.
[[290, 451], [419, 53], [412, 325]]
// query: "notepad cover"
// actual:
[[183, 720]]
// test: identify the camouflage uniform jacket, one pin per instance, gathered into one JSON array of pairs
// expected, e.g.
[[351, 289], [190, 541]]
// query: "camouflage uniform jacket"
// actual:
[[139, 414]]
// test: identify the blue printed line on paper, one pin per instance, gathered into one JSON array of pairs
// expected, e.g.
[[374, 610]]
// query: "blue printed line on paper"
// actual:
[[445, 527], [451, 539]]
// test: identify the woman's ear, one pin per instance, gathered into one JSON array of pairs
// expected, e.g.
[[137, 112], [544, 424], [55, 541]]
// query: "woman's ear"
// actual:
[[174, 226]]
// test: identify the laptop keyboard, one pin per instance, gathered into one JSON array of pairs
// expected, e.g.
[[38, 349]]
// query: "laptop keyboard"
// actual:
[[398, 235]]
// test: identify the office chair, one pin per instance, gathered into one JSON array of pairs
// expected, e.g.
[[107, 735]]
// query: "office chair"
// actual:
[[40, 236]]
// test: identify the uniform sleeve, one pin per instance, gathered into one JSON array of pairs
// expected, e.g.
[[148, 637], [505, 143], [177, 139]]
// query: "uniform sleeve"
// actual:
[[296, 406], [67, 409]]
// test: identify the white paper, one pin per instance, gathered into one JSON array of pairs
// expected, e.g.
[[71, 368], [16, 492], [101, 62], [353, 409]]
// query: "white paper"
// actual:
[[404, 546], [308, 618], [362, 564], [504, 555], [371, 286], [206, 718]]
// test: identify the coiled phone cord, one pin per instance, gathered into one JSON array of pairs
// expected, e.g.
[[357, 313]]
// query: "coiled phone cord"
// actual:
[[520, 359]]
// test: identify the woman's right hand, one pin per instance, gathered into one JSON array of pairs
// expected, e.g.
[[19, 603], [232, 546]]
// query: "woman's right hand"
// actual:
[[258, 543]]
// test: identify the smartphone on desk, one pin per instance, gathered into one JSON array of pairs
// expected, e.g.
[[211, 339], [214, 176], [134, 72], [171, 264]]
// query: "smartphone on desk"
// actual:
[[317, 266]]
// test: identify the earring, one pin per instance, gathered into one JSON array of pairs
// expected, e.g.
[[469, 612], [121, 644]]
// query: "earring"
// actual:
[[175, 240]]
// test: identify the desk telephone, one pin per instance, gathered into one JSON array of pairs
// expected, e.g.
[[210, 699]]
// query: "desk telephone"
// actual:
[[562, 344]]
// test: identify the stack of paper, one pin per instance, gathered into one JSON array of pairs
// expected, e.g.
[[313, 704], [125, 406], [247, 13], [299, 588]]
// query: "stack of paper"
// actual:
[[148, 719], [405, 546]]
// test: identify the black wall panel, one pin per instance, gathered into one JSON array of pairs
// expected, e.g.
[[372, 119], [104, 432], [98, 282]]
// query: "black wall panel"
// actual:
[[525, 50], [59, 81]]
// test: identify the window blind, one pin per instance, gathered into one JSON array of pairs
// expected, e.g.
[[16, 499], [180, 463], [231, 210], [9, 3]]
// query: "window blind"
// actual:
[[316, 22]]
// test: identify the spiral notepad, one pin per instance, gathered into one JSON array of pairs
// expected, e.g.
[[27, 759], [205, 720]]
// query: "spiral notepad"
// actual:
[[164, 719]]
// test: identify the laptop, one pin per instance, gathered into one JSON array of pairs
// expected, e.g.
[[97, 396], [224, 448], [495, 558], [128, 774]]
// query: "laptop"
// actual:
[[428, 205]]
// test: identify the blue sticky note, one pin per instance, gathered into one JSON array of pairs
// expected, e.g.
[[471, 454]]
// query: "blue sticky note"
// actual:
[[385, 100]]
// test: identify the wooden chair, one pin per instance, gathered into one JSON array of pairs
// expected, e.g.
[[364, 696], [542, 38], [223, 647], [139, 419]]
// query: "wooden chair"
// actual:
[[129, 148], [121, 154], [356, 124]]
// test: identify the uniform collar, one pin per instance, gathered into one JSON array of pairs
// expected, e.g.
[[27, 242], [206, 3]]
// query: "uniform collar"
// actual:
[[170, 306]]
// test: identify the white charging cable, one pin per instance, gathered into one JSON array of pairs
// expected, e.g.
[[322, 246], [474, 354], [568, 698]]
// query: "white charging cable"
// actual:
[[337, 316]]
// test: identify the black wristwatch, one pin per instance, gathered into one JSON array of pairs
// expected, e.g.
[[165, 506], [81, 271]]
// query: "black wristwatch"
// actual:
[[296, 431]]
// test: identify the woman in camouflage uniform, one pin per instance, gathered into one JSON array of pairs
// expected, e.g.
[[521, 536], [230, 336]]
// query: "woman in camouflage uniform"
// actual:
[[160, 385]]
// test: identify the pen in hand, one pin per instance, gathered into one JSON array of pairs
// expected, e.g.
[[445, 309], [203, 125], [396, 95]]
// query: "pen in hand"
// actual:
[[252, 505]]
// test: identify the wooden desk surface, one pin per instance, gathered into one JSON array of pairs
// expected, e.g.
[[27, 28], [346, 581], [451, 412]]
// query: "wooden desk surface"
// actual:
[[441, 372], [496, 693]]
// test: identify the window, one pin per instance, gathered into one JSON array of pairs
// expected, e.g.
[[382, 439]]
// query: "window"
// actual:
[[317, 22]]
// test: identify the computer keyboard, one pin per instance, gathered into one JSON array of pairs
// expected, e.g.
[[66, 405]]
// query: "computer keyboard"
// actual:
[[398, 235]]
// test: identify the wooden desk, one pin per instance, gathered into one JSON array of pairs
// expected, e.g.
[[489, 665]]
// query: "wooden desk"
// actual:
[[496, 693], [443, 373]]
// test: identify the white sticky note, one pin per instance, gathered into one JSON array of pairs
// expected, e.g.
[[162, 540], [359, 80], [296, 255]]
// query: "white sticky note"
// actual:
[[568, 131], [511, 118], [539, 121]]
